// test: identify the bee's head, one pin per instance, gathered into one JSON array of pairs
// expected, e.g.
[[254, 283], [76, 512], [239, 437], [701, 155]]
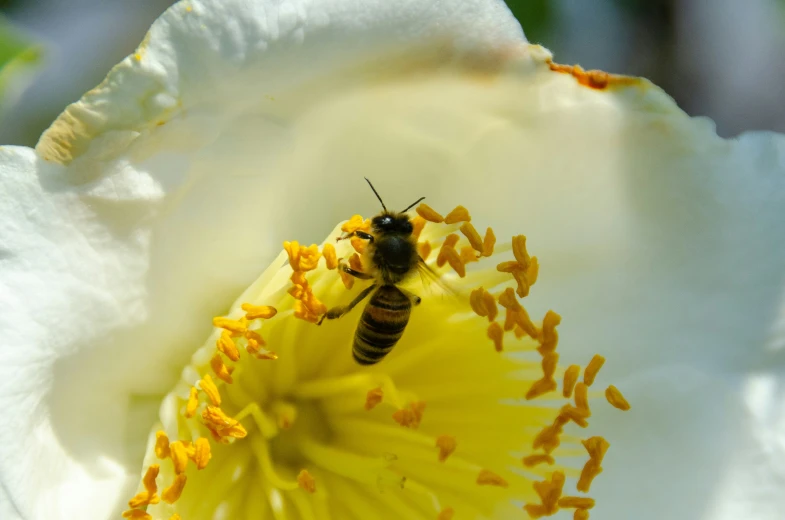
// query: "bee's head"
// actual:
[[392, 223]]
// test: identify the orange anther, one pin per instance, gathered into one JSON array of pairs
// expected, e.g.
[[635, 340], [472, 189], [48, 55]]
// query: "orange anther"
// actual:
[[488, 242], [330, 257], [223, 372], [459, 214], [496, 334], [489, 478], [468, 255], [148, 481], [255, 312], [590, 372], [424, 249], [208, 386], [538, 458], [473, 236], [202, 454], [179, 456], [446, 514], [358, 244], [614, 396], [446, 445], [221, 423], [306, 481], [234, 326], [596, 447], [354, 224], [173, 492], [355, 262], [136, 514], [535, 510], [161, 445], [549, 337], [582, 397], [454, 259], [411, 416], [519, 250], [570, 377], [550, 360], [225, 344], [576, 502], [449, 243], [373, 398], [428, 213], [540, 387], [576, 415], [580, 514], [590, 470], [418, 223]]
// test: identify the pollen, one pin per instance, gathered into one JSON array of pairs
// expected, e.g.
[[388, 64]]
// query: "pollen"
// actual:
[[447, 245], [223, 372], [411, 416], [356, 223], [454, 259], [418, 224], [459, 214], [179, 456], [489, 478], [468, 255], [483, 304], [592, 368], [539, 458], [570, 378], [550, 337], [488, 242], [306, 481], [222, 424], [446, 445], [161, 445], [582, 397], [428, 213], [302, 258], [576, 502], [227, 347], [254, 312], [614, 396], [540, 388], [208, 386], [330, 256], [424, 249], [148, 496], [172, 493], [473, 236], [373, 398], [496, 334], [549, 491], [233, 326], [202, 453]]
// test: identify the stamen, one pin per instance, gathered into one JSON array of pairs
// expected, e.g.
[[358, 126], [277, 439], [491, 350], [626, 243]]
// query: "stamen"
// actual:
[[532, 460], [302, 258], [358, 244], [576, 415], [576, 502], [410, 417], [222, 424], [148, 496], [549, 362], [454, 259], [489, 478], [459, 214], [549, 491], [306, 481], [495, 333], [136, 514], [473, 236], [446, 514], [468, 255], [208, 386], [570, 378], [222, 372], [424, 249], [373, 398], [519, 250], [592, 368], [488, 242], [446, 445], [614, 396], [582, 397], [516, 314], [449, 243], [179, 456], [161, 445], [330, 257], [540, 387], [549, 335], [171, 494], [590, 470], [418, 223], [548, 438], [428, 213], [355, 262], [254, 312], [234, 326], [226, 346], [580, 514], [356, 223], [202, 454]]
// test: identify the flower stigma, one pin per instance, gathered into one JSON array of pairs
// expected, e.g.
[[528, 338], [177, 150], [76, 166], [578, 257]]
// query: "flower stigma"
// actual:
[[469, 416]]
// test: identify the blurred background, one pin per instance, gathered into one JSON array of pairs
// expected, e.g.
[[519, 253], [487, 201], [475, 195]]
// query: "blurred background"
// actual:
[[718, 58]]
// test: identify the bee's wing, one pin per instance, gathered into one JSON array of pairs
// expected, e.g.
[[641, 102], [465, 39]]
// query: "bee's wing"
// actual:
[[429, 276]]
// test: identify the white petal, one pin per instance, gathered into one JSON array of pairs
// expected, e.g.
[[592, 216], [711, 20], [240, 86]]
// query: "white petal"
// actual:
[[243, 125]]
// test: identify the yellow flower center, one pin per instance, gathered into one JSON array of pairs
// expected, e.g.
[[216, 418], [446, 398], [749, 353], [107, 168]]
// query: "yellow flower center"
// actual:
[[274, 418]]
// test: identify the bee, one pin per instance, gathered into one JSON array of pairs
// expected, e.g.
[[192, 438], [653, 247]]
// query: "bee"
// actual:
[[391, 254]]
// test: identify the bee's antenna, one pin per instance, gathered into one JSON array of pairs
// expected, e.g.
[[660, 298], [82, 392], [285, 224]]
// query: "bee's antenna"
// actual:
[[376, 193], [413, 204]]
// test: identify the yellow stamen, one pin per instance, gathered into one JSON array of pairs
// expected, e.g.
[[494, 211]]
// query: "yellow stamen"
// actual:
[[549, 491], [576, 502], [330, 257], [590, 372], [495, 333], [590, 470], [223, 372], [356, 223], [580, 514], [468, 255], [576, 415], [516, 314], [549, 362], [428, 213], [235, 326], [488, 242], [373, 398], [454, 259], [173, 492], [217, 420], [614, 396], [483, 304], [148, 481], [347, 279], [596, 447], [355, 262], [549, 336], [582, 397], [136, 514], [541, 387], [519, 250], [412, 416], [255, 312], [489, 478], [302, 258], [570, 378], [449, 243], [358, 244], [548, 438], [459, 214], [418, 223], [179, 456], [208, 386], [473, 236], [161, 445], [424, 249], [446, 514], [306, 481], [202, 454], [446, 445], [226, 345], [532, 460], [535, 510]]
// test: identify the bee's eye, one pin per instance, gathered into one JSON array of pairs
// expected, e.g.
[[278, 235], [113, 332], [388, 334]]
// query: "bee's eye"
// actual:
[[382, 222], [407, 227]]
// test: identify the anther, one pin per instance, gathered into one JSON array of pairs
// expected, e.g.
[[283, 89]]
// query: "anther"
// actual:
[[473, 236], [208, 386], [538, 458], [496, 334], [459, 214], [173, 492], [468, 255], [576, 415], [373, 397], [449, 243], [570, 378], [234, 326], [582, 397], [590, 372], [428, 213], [614, 396], [549, 335], [254, 312], [446, 514], [550, 360], [424, 249], [179, 456], [223, 372], [136, 514], [221, 423], [202, 453], [226, 345], [454, 259], [576, 502], [489, 478], [540, 387], [488, 242], [306, 481], [330, 257], [580, 514], [161, 445], [446, 445], [418, 223], [519, 250]]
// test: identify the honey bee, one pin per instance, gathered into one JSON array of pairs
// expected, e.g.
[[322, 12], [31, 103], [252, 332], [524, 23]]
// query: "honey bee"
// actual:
[[392, 256]]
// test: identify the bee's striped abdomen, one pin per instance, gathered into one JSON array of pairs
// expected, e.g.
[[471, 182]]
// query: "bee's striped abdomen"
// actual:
[[382, 324]]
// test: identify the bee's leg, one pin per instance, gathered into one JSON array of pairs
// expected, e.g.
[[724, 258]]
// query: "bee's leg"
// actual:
[[361, 234], [357, 274], [337, 312], [413, 297]]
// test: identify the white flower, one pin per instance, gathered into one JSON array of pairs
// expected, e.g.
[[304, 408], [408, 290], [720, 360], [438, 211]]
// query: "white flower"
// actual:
[[153, 202]]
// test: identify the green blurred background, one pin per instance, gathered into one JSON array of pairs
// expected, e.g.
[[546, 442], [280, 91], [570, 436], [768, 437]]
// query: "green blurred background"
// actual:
[[719, 58]]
